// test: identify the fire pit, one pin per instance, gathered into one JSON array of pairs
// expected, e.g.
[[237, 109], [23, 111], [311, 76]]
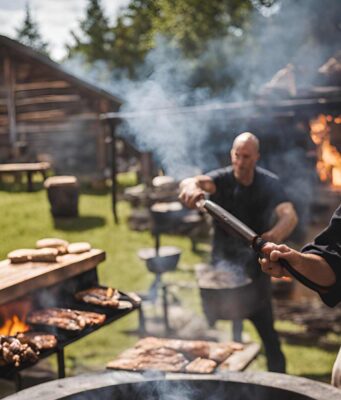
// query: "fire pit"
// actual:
[[231, 386]]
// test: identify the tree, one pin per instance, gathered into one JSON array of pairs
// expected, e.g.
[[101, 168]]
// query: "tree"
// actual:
[[93, 41], [186, 24], [29, 34]]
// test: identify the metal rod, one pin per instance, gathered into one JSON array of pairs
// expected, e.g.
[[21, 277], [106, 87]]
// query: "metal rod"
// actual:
[[165, 308], [113, 125]]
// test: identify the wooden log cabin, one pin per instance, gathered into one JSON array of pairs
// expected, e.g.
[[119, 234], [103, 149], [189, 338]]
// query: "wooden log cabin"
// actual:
[[48, 114]]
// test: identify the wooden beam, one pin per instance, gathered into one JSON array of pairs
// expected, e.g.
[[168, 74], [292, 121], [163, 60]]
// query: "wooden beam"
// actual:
[[63, 98], [9, 78], [40, 115], [41, 85]]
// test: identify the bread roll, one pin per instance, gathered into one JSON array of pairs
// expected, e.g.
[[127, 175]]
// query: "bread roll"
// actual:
[[59, 244], [79, 247], [34, 255]]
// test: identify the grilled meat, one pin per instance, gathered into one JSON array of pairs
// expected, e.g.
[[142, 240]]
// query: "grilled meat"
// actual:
[[73, 320], [201, 366], [13, 351], [41, 340], [105, 297]]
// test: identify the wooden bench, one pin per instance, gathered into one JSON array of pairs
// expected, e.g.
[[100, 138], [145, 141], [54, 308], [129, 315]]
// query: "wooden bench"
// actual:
[[25, 168]]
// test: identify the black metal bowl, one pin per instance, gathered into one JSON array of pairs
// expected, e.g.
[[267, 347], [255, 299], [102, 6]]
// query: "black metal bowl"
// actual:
[[164, 259]]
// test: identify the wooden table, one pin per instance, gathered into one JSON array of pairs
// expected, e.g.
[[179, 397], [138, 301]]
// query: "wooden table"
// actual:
[[26, 168], [17, 280]]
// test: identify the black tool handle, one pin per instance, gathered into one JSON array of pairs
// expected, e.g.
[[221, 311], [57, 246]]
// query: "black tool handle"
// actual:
[[259, 243]]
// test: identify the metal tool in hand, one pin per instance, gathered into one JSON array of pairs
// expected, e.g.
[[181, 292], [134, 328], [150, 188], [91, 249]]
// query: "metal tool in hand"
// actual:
[[230, 223]]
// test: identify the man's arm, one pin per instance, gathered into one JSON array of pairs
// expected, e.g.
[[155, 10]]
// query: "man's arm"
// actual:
[[193, 189], [312, 266], [285, 224]]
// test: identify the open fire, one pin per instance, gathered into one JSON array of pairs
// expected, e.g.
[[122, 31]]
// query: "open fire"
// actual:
[[13, 316], [328, 157]]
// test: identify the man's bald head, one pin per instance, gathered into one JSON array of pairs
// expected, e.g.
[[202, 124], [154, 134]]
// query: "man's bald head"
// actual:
[[246, 137], [244, 156]]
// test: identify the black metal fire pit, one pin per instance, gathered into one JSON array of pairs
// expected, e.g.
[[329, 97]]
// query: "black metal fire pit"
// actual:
[[230, 386]]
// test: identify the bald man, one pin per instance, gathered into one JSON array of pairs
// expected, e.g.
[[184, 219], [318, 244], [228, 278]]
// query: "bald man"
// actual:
[[256, 197]]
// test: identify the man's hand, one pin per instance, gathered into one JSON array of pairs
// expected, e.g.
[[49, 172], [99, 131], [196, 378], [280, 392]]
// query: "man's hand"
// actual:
[[273, 253], [190, 194], [193, 189]]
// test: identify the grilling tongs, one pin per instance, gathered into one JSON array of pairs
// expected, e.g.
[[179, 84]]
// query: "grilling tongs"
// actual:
[[229, 222]]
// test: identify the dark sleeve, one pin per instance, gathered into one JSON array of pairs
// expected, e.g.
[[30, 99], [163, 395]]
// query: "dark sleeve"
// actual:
[[220, 178], [328, 245]]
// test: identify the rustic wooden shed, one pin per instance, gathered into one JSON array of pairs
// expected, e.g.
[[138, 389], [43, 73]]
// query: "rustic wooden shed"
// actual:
[[46, 112]]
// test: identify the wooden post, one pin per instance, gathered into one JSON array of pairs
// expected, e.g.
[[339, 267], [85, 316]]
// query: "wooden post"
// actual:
[[10, 86], [113, 124]]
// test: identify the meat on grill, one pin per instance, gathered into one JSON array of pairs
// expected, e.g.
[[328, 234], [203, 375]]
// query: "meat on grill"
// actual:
[[13, 351], [64, 318], [201, 366], [220, 351], [105, 297], [191, 348], [42, 340], [174, 355], [162, 358]]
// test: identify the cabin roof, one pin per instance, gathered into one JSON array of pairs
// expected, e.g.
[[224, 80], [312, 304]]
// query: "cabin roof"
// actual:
[[17, 48]]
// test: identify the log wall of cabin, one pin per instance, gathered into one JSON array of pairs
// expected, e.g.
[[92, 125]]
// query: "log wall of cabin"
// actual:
[[57, 119]]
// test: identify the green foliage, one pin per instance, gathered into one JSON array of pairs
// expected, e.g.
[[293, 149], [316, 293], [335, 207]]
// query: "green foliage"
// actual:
[[29, 34], [133, 34], [192, 23], [187, 24], [94, 40]]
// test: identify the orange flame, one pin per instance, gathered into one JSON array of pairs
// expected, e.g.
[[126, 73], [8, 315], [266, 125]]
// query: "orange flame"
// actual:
[[12, 317], [13, 326], [329, 159]]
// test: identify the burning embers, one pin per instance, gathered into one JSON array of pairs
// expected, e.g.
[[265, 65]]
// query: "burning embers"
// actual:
[[323, 130]]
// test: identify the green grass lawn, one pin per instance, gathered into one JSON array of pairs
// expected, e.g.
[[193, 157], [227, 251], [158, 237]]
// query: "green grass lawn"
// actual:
[[25, 218]]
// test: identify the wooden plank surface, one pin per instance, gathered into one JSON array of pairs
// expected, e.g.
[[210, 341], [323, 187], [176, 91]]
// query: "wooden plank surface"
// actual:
[[24, 167], [17, 280], [239, 360]]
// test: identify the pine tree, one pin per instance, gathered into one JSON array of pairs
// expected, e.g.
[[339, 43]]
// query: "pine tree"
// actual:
[[29, 34], [93, 42]]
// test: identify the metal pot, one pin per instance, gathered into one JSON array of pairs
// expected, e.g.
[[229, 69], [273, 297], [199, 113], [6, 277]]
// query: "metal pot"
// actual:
[[235, 303]]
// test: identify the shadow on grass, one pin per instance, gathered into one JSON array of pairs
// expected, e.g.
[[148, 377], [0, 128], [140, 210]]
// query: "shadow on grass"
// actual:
[[20, 187], [82, 223]]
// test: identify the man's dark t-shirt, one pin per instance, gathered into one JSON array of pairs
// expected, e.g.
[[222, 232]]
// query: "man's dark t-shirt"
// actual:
[[328, 245], [254, 205]]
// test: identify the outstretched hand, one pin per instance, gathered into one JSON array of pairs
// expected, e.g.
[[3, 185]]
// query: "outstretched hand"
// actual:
[[190, 196]]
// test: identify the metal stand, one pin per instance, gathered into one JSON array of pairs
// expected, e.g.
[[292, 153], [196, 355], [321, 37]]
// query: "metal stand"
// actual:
[[165, 308], [61, 363]]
